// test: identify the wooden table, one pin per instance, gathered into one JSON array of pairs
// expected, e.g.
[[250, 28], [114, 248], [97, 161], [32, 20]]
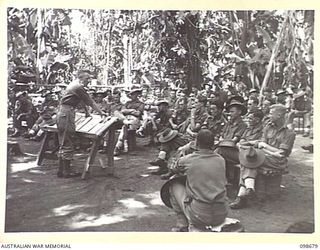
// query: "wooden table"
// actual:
[[88, 127]]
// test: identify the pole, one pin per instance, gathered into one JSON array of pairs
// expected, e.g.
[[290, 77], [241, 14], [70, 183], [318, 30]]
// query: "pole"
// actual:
[[273, 55]]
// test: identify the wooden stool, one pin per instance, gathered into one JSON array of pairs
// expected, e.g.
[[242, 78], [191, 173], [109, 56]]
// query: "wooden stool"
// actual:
[[268, 184], [229, 225]]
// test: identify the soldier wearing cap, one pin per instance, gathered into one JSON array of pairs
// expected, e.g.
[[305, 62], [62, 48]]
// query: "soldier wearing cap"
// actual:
[[98, 97], [74, 94], [253, 93], [281, 96], [160, 121], [131, 117], [276, 144], [231, 134], [199, 198]]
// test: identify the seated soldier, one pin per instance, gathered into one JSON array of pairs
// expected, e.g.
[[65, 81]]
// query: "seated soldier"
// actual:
[[199, 113], [98, 97], [172, 98], [231, 135], [252, 104], [157, 123], [276, 144], [215, 120], [130, 115], [112, 107], [170, 141], [253, 93], [47, 116], [200, 200], [301, 106], [24, 111], [281, 96], [266, 110], [180, 115], [115, 104]]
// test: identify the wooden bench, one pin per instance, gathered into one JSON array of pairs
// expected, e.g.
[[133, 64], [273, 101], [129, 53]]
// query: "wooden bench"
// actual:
[[86, 127]]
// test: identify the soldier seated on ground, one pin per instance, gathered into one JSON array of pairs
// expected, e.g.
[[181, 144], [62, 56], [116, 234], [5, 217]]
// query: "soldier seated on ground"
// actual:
[[159, 122], [198, 198], [24, 111], [131, 116], [170, 141], [276, 145], [47, 116], [180, 115]]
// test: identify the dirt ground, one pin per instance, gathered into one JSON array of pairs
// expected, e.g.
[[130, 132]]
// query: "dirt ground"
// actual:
[[38, 201]]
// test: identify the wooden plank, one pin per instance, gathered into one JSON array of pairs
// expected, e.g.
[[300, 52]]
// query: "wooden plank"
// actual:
[[84, 123], [89, 125], [78, 116], [106, 125], [79, 122]]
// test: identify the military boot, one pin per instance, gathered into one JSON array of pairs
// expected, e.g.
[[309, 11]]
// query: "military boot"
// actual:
[[67, 170]]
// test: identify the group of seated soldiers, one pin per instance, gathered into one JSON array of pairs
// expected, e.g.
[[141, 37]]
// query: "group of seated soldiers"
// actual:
[[245, 127]]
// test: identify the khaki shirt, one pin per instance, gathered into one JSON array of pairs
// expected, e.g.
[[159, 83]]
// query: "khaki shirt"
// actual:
[[137, 105], [281, 138], [253, 133], [206, 178], [234, 129]]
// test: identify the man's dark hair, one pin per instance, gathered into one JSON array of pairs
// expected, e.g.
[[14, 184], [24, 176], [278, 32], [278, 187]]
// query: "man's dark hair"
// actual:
[[257, 113], [205, 139]]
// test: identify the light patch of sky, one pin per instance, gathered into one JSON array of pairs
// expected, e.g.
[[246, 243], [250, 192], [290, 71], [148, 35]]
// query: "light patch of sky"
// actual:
[[77, 26]]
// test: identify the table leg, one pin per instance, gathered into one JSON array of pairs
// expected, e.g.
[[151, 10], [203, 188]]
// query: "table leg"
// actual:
[[110, 148], [91, 158], [43, 148]]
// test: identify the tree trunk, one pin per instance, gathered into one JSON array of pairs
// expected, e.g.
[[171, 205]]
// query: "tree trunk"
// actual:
[[194, 77]]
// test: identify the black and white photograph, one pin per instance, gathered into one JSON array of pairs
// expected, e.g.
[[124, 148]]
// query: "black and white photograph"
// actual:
[[131, 120]]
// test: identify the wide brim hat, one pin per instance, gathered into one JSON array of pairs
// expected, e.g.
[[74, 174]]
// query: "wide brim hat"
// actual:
[[237, 104], [101, 92], [165, 189], [281, 91], [162, 101], [251, 157], [227, 143], [235, 97], [168, 135], [135, 90], [253, 91]]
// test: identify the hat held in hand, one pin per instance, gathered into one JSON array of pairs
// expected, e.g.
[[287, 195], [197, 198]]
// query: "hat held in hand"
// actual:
[[167, 135], [251, 157]]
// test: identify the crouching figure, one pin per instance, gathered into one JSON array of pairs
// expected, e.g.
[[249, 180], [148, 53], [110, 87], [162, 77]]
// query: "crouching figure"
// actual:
[[198, 194]]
